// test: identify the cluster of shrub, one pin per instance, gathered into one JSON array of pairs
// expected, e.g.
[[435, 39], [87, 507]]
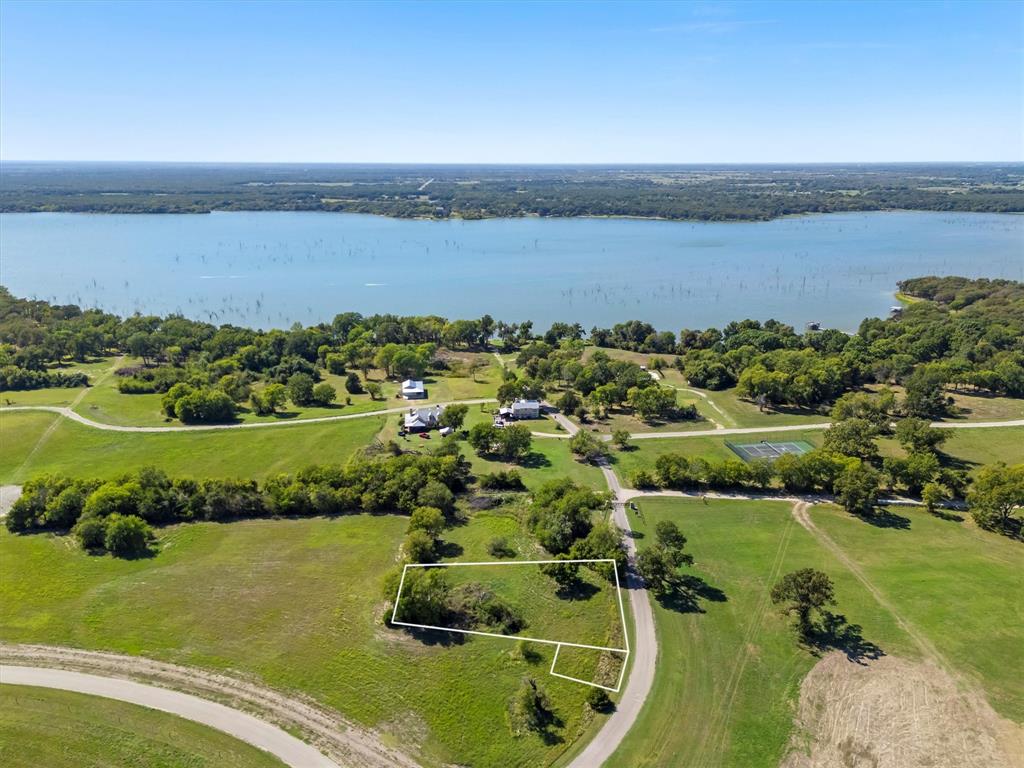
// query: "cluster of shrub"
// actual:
[[13, 378], [366, 484]]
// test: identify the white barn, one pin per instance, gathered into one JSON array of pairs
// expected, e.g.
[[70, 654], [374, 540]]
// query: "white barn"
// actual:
[[413, 389]]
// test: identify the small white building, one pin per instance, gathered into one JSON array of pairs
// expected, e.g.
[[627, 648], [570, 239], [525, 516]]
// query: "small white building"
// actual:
[[413, 389], [423, 419]]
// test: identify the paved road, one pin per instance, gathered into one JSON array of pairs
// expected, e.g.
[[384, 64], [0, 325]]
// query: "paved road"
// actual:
[[84, 420], [786, 428], [242, 726], [644, 649]]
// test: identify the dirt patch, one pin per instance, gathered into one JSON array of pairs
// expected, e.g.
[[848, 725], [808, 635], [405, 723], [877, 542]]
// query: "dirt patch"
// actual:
[[892, 713], [344, 742], [8, 495]]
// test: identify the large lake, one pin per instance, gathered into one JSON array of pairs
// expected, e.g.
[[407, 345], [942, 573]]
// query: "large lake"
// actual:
[[271, 269]]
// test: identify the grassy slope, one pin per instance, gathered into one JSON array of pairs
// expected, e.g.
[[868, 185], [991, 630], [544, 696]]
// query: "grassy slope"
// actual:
[[298, 604], [83, 451], [58, 729]]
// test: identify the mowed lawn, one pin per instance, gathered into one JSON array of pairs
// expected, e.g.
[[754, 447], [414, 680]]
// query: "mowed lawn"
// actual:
[[728, 679], [82, 451], [60, 729], [959, 585], [298, 604]]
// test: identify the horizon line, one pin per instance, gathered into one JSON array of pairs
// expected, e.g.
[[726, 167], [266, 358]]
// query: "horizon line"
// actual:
[[513, 164]]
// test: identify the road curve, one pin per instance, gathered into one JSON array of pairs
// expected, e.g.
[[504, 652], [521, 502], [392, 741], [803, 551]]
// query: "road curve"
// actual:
[[86, 421], [644, 648], [242, 726]]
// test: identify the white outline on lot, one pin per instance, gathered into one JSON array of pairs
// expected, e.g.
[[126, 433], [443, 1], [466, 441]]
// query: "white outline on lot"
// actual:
[[557, 643]]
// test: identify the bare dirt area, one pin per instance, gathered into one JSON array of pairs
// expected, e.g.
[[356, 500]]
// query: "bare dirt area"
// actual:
[[893, 713], [345, 743]]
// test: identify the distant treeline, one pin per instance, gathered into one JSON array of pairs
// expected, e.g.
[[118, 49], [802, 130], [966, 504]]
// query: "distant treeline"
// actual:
[[708, 193]]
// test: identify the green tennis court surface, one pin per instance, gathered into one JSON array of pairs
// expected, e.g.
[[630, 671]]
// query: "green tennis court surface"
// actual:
[[769, 450]]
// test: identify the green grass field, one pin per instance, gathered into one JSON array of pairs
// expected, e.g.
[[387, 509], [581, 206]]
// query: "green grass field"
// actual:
[[59, 729], [728, 678], [83, 451], [297, 603]]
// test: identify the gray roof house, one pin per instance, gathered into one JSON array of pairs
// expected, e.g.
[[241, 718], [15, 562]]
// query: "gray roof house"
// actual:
[[422, 419]]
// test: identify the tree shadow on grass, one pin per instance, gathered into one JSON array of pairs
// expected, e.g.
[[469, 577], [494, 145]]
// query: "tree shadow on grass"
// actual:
[[448, 549], [688, 594], [835, 633], [945, 514], [884, 518], [432, 637], [534, 460], [578, 590]]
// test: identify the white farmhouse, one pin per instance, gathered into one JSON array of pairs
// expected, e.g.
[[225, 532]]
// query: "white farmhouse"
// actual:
[[423, 419], [525, 409]]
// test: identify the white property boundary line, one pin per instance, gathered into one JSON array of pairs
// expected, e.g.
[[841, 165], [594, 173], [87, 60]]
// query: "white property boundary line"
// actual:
[[558, 644]]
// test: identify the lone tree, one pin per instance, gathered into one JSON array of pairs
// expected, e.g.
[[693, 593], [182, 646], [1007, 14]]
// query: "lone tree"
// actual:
[[621, 439], [658, 565], [802, 594], [564, 573]]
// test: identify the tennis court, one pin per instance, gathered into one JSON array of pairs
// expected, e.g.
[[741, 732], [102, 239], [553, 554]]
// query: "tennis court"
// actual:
[[769, 450]]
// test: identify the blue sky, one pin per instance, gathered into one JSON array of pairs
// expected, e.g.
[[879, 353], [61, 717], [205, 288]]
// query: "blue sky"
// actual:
[[515, 82]]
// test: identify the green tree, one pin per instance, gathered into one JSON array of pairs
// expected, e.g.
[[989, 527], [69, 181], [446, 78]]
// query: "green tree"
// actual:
[[324, 394], [620, 437], [802, 594], [424, 598], [453, 416], [420, 547], [352, 384], [375, 390], [587, 447], [430, 520], [300, 388], [996, 495], [127, 535], [917, 436], [925, 396], [91, 532], [932, 495], [852, 437], [856, 488], [563, 572]]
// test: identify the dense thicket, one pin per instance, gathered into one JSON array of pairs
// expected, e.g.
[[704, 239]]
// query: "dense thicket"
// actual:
[[366, 484]]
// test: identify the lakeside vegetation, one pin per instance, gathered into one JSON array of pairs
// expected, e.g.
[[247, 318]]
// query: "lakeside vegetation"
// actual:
[[704, 193]]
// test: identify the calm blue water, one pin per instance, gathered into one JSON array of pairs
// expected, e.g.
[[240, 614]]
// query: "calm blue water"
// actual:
[[271, 269]]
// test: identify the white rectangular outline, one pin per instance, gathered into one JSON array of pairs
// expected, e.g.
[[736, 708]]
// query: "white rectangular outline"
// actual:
[[558, 645]]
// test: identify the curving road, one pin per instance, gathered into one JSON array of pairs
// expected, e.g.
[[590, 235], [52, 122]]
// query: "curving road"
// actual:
[[244, 727], [68, 413]]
